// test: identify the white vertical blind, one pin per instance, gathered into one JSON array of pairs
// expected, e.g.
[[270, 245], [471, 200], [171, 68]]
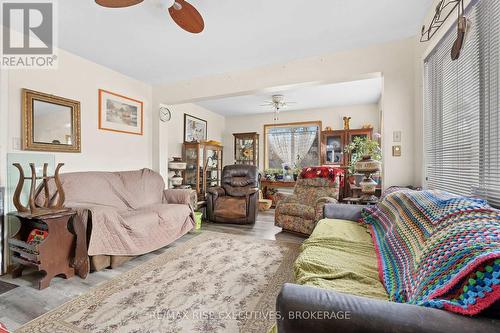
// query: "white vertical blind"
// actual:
[[461, 109]]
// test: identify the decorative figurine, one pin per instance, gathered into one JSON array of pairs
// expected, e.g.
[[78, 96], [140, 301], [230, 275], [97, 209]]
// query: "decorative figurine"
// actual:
[[347, 121], [50, 204]]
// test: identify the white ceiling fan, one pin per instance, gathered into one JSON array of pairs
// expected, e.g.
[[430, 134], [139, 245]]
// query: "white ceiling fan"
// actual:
[[278, 103]]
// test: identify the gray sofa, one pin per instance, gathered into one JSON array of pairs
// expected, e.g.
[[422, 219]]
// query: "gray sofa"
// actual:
[[333, 311]]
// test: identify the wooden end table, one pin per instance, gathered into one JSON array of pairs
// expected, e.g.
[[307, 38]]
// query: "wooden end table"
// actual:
[[53, 255], [358, 201], [268, 184]]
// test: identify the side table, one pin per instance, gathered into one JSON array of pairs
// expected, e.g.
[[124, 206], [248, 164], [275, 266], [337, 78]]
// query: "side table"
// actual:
[[358, 201], [270, 184], [52, 255]]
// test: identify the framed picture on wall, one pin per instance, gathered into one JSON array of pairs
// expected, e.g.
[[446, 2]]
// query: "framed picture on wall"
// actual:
[[121, 114], [195, 129]]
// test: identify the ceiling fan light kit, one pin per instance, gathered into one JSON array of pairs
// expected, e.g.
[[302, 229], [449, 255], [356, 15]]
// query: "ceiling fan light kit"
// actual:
[[183, 13], [277, 102]]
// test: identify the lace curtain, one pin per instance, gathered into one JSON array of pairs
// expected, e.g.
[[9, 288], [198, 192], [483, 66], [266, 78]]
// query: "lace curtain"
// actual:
[[288, 144], [303, 143], [281, 144]]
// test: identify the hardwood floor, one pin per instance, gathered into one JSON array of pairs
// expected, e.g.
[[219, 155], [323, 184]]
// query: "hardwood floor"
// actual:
[[22, 304]]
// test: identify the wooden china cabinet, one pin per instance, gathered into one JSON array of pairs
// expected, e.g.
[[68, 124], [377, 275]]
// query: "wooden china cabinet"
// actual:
[[332, 147], [332, 150], [334, 142], [246, 148], [203, 166]]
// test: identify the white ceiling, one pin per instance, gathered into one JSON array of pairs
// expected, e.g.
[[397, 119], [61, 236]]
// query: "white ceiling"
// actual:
[[305, 98], [143, 41]]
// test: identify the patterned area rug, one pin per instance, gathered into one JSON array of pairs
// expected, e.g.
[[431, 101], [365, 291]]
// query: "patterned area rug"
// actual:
[[213, 283]]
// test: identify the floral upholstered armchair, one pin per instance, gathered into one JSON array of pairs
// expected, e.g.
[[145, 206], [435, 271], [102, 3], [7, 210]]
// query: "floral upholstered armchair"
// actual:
[[315, 187]]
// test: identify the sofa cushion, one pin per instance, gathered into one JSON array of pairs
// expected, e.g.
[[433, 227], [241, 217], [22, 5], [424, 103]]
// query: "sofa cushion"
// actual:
[[156, 214], [145, 185], [95, 188], [340, 255], [343, 211], [139, 222]]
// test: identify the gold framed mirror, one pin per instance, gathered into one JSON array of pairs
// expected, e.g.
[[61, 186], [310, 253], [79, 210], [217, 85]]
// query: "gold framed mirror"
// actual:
[[50, 123]]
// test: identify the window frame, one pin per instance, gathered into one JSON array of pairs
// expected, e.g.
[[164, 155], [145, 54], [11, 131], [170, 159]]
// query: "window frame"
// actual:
[[317, 123]]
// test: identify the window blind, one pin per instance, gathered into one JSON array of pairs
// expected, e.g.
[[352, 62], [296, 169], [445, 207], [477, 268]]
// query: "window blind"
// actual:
[[461, 109]]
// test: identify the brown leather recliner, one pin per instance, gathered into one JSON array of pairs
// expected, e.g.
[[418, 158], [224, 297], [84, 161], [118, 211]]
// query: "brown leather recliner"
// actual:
[[236, 201]]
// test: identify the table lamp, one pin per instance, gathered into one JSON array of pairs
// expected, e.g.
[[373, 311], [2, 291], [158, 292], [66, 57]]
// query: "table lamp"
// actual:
[[368, 167]]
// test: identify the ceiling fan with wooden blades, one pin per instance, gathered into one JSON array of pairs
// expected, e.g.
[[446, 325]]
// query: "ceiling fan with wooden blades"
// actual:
[[183, 13]]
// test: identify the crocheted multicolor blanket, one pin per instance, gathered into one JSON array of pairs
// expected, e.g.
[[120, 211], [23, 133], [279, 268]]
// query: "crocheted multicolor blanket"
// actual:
[[437, 250]]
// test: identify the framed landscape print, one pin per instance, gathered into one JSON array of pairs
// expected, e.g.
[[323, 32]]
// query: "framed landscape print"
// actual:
[[195, 129], [118, 113]]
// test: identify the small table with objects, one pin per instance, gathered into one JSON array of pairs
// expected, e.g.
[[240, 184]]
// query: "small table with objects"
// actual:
[[358, 201], [267, 185], [45, 243]]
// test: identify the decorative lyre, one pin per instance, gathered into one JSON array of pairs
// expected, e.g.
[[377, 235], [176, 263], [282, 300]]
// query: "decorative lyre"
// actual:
[[347, 124], [50, 203]]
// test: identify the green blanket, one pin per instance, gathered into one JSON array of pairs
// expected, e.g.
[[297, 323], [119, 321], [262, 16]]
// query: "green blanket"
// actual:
[[340, 255]]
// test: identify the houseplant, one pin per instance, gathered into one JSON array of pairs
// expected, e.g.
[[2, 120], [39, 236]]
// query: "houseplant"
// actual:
[[273, 174], [297, 168], [359, 148]]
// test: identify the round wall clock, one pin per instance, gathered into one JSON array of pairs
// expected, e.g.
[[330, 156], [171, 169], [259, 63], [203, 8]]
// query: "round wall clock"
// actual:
[[165, 114]]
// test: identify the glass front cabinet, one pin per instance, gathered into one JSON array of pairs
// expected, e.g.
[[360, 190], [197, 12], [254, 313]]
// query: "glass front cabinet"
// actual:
[[246, 148], [334, 142], [203, 166]]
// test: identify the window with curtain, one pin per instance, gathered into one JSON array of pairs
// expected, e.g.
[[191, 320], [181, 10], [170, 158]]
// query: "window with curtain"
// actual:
[[291, 144], [461, 109]]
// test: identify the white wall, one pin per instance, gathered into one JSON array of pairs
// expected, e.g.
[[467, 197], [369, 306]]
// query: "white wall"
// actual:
[[79, 79], [395, 60], [171, 133], [361, 115]]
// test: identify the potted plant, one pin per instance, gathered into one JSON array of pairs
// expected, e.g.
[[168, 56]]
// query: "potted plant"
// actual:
[[297, 168], [274, 174], [361, 147], [271, 195], [287, 172], [279, 174]]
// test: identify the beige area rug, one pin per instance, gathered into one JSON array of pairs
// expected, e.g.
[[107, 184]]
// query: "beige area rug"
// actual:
[[213, 283]]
